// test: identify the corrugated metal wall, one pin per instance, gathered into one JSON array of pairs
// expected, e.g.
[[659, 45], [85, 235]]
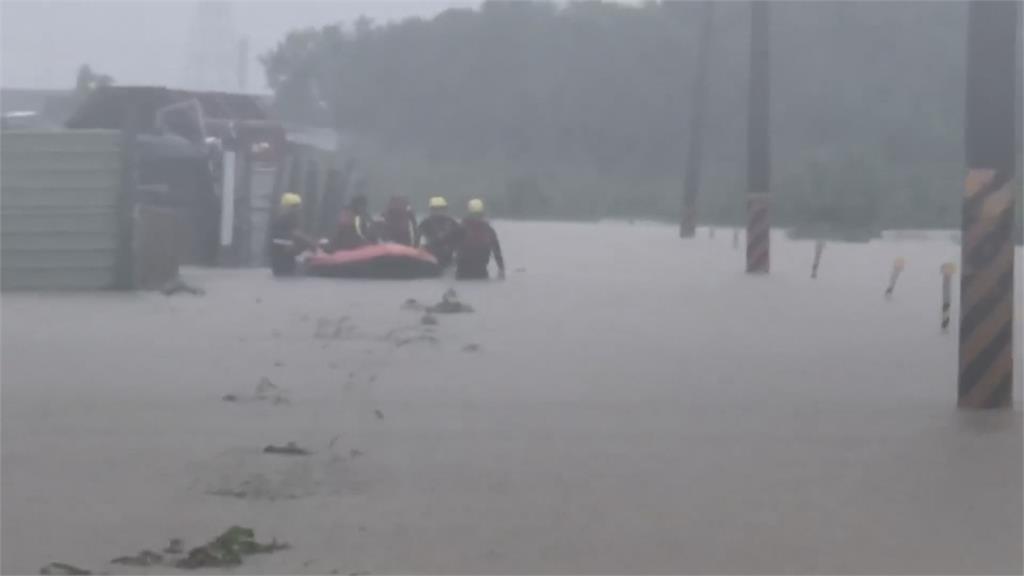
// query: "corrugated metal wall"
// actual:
[[59, 196]]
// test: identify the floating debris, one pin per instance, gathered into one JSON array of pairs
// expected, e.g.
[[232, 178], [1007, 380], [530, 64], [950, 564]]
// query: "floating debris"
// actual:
[[278, 364], [428, 319], [175, 546], [471, 348], [265, 391], [228, 550], [355, 453], [176, 285], [289, 449], [378, 414], [327, 329], [240, 493], [412, 304], [144, 558], [410, 335], [250, 474], [265, 386], [428, 338], [450, 304], [62, 568]]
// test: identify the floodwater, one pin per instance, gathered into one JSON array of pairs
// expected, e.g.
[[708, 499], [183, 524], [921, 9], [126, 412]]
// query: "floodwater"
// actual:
[[626, 402]]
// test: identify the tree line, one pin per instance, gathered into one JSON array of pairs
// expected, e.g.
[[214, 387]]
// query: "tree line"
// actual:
[[579, 110]]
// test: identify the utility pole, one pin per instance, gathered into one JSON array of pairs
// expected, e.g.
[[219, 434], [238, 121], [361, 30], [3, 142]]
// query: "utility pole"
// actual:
[[758, 143], [691, 185], [243, 63], [989, 217], [210, 57]]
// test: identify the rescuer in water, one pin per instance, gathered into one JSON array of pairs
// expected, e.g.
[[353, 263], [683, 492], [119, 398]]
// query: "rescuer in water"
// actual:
[[439, 232], [287, 240], [400, 222], [477, 242]]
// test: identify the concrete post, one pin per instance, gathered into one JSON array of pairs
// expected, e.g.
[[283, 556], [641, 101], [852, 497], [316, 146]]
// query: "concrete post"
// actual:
[[688, 222]]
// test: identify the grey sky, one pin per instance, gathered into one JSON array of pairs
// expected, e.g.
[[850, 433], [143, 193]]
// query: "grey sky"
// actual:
[[43, 42]]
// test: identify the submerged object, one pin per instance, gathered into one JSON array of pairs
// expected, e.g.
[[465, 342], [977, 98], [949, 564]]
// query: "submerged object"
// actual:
[[449, 304], [386, 260]]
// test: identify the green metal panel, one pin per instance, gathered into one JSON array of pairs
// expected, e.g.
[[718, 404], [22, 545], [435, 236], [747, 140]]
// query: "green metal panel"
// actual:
[[58, 209]]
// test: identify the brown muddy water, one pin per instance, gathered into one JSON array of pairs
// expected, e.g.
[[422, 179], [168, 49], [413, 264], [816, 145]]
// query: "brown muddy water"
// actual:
[[625, 402]]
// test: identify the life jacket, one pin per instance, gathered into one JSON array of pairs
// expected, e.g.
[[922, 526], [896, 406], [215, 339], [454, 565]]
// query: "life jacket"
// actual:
[[352, 230]]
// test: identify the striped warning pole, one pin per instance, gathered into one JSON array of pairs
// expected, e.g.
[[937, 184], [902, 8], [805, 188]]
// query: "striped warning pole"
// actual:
[[986, 282], [819, 247], [897, 269], [758, 153], [948, 269]]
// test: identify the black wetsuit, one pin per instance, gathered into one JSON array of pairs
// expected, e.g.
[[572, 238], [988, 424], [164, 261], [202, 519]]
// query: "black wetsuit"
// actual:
[[286, 242], [477, 243], [440, 234]]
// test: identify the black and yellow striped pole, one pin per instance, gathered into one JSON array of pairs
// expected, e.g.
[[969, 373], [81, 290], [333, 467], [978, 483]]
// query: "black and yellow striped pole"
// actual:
[[987, 225], [819, 247], [947, 269], [758, 153], [897, 269]]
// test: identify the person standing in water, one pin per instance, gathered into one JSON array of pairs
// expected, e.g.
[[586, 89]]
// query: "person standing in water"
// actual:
[[287, 241], [355, 227], [400, 222], [439, 232], [478, 241]]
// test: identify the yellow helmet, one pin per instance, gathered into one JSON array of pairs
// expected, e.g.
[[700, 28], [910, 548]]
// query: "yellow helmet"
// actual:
[[438, 202], [290, 199], [476, 206]]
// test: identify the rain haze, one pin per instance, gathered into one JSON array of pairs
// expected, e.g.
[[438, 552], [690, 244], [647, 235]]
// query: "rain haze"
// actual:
[[171, 41], [511, 288]]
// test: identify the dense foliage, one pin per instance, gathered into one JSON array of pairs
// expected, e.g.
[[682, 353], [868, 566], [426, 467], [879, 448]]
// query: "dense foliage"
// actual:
[[579, 110]]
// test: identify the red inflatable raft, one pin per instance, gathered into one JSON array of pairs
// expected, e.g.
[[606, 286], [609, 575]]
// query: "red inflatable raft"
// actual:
[[374, 261]]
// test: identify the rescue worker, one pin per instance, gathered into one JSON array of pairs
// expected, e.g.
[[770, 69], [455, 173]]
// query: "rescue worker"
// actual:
[[477, 242], [439, 232], [400, 222], [287, 241], [355, 227]]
